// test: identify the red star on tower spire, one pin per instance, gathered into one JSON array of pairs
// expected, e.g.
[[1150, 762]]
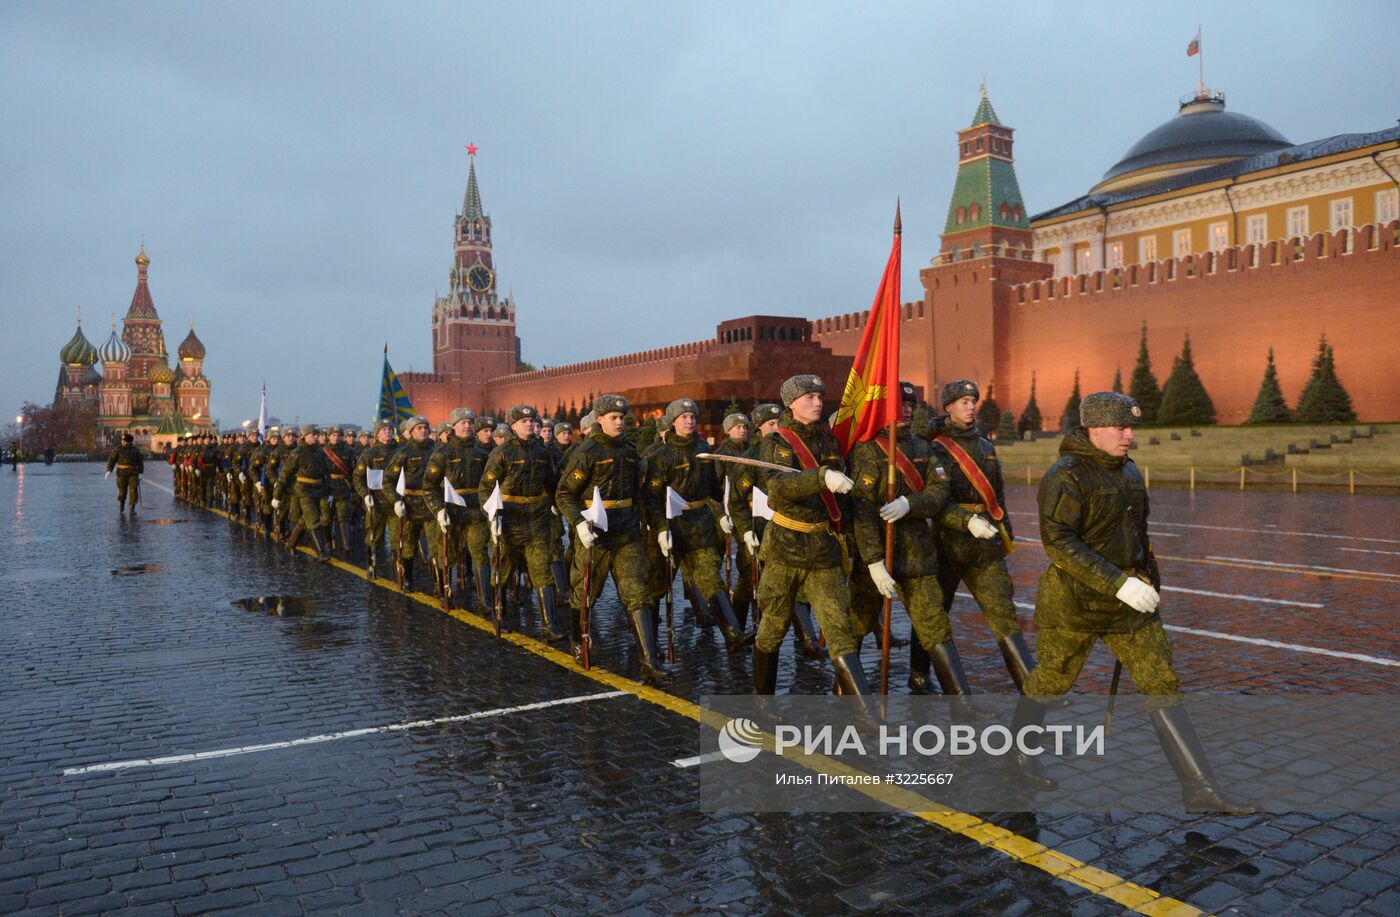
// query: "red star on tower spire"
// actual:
[[471, 149]]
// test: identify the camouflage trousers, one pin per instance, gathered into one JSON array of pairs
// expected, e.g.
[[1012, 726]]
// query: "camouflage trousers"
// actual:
[[990, 584], [867, 605], [824, 589], [478, 542], [342, 506], [534, 556], [128, 487], [743, 573], [314, 512], [1146, 653], [376, 523], [410, 529], [626, 562], [923, 600], [462, 539], [700, 568]]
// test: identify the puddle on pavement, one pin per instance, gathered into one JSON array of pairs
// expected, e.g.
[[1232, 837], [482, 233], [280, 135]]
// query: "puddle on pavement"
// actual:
[[138, 569], [281, 606]]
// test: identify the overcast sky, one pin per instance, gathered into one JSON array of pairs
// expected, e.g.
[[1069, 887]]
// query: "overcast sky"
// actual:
[[650, 168]]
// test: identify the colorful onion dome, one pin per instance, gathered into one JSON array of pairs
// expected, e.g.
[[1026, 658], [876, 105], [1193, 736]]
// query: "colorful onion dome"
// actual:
[[114, 350], [161, 373], [191, 348], [79, 350]]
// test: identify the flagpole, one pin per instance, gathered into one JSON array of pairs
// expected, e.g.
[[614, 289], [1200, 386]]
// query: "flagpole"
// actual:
[[888, 608], [1201, 53]]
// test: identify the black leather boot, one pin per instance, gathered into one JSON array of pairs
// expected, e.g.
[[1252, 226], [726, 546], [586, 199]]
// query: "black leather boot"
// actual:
[[734, 635], [370, 559], [560, 573], [947, 668], [291, 542], [344, 539], [1029, 712], [1017, 656], [318, 539], [765, 672], [741, 613], [704, 615], [485, 595], [576, 634], [644, 629], [550, 626], [919, 680], [1200, 791], [850, 677], [407, 574], [804, 625]]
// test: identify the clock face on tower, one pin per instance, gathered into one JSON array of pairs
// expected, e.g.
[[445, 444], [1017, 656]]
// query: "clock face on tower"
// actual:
[[479, 278]]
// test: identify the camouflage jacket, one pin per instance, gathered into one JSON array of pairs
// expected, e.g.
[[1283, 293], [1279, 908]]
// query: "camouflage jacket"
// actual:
[[376, 458], [527, 474], [126, 460], [410, 460], [1093, 521], [957, 545], [453, 462], [338, 480], [673, 463], [797, 498], [307, 468], [612, 465], [915, 546]]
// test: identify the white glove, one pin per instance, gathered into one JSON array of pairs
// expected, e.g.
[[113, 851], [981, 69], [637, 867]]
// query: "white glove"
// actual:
[[1139, 595], [369, 504], [981, 528], [664, 539], [586, 536], [242, 478], [258, 485], [196, 472], [895, 510], [106, 476], [276, 503], [836, 482], [883, 581], [230, 477], [400, 510], [554, 510], [726, 525], [443, 520], [751, 539]]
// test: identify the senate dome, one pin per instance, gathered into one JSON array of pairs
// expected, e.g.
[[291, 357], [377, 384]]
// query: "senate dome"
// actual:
[[1202, 134]]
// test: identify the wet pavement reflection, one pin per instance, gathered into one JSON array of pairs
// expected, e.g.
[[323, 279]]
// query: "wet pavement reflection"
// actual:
[[126, 641]]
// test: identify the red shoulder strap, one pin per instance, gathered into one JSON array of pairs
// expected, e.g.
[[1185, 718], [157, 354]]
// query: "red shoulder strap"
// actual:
[[906, 467], [979, 481], [336, 460], [807, 460]]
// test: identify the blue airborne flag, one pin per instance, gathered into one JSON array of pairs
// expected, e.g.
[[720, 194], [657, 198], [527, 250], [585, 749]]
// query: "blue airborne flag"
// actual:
[[394, 405]]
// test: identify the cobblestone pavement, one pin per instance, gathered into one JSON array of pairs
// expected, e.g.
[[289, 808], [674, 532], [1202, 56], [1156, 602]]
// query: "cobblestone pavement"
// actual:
[[121, 640]]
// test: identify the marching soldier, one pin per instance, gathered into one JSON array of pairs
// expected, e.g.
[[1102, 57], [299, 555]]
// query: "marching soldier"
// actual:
[[208, 464], [248, 494], [127, 462], [378, 500], [802, 551], [921, 490], [736, 442], [526, 471], [282, 511], [262, 469], [342, 494], [608, 462], [1103, 583], [451, 462], [692, 538], [441, 432], [974, 536], [479, 527], [411, 511], [303, 477]]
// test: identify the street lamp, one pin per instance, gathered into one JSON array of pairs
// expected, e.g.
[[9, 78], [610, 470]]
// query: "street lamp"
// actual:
[[20, 420]]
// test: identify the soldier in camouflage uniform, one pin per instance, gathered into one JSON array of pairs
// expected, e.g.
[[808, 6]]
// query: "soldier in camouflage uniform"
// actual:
[[972, 548], [736, 442], [243, 474], [411, 512], [692, 538], [452, 462], [608, 461], [262, 470], [1103, 583], [303, 477], [127, 462], [921, 492], [342, 494], [802, 550], [378, 502], [285, 512], [479, 528], [526, 471], [208, 464]]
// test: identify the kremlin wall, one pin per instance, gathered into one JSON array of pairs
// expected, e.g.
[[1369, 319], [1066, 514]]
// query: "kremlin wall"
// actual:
[[1262, 242]]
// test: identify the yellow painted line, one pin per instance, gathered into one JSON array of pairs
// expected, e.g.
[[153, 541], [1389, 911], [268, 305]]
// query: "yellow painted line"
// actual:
[[1132, 896]]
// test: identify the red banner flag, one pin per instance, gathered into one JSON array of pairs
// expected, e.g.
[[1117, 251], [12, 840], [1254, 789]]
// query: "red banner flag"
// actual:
[[870, 402], [1194, 47]]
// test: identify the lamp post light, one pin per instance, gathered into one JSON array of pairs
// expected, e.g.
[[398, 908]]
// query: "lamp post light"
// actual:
[[20, 420]]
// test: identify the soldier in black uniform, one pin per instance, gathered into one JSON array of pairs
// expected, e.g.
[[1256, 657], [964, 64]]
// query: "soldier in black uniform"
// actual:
[[129, 465]]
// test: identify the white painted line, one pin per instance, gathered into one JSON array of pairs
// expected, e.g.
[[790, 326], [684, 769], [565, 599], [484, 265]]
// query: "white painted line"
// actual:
[[1271, 563], [1317, 651], [336, 736], [1244, 598], [1368, 551], [698, 759], [1268, 531]]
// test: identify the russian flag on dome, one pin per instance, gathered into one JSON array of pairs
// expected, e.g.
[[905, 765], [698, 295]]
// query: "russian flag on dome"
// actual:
[[1195, 47]]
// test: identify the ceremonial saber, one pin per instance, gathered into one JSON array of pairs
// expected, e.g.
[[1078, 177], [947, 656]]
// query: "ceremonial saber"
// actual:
[[741, 460], [585, 640]]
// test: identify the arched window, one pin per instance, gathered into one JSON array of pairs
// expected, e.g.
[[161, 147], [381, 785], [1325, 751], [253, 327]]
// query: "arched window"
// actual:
[[1004, 210], [962, 216], [974, 213], [1016, 213], [979, 144]]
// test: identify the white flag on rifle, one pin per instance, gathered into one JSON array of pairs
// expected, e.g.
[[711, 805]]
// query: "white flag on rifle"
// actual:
[[374, 478], [597, 514], [402, 486], [675, 504], [450, 495], [761, 509]]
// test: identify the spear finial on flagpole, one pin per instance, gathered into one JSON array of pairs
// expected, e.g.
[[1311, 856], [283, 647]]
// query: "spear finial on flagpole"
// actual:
[[898, 224]]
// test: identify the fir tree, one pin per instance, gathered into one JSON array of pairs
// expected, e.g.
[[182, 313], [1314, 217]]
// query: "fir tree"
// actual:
[[1071, 414], [1006, 426], [1269, 406], [1184, 398], [1030, 417], [1118, 379], [1143, 386], [989, 413], [922, 420], [733, 407], [1324, 399]]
